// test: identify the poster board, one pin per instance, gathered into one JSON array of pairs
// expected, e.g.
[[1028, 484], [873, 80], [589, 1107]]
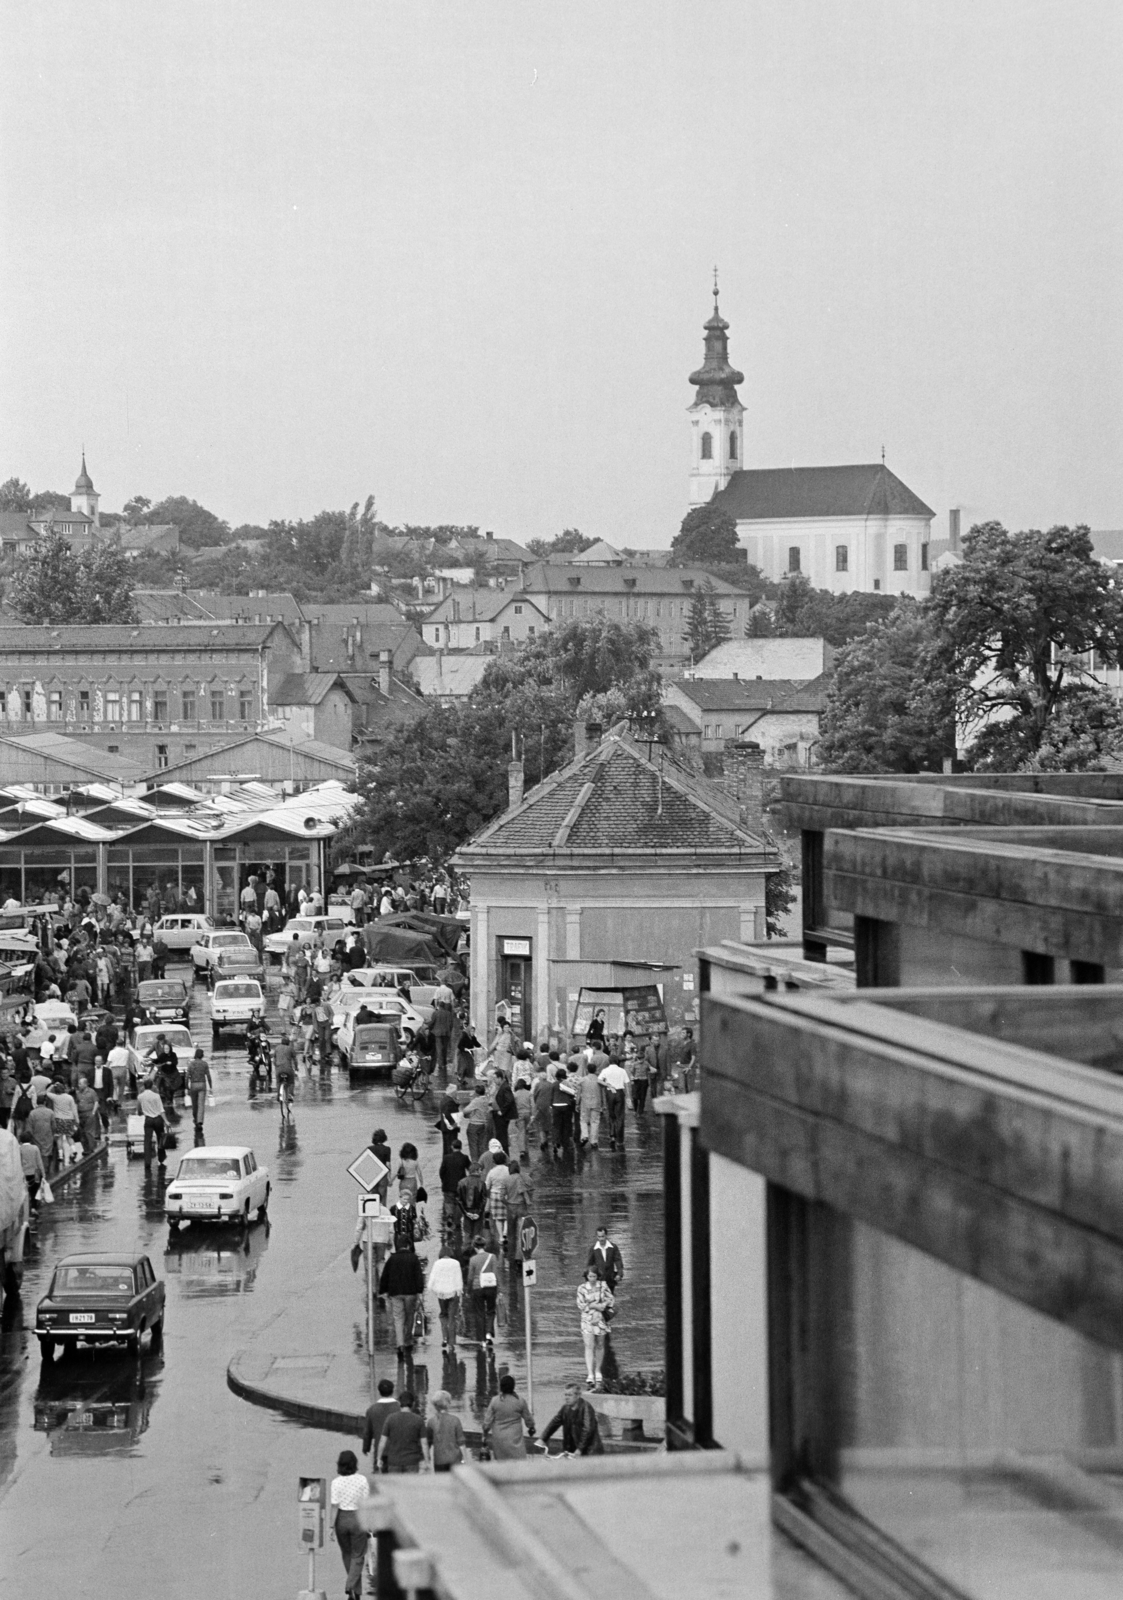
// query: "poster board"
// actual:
[[639, 1007]]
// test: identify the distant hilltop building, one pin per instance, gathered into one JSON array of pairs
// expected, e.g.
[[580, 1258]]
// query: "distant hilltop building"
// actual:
[[84, 524], [845, 528]]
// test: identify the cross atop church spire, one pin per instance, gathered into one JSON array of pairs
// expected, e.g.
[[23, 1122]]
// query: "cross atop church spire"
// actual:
[[716, 380]]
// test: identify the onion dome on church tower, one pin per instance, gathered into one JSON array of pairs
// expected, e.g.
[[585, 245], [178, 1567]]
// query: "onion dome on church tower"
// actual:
[[715, 380], [84, 483]]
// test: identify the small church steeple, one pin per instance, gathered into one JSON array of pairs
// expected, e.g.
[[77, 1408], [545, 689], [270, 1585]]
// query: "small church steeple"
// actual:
[[84, 497], [716, 414]]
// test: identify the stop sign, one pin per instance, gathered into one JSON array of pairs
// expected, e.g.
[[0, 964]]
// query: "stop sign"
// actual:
[[528, 1237]]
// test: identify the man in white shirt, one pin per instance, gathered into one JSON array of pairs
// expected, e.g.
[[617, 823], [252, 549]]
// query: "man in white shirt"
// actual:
[[614, 1080], [151, 1108]]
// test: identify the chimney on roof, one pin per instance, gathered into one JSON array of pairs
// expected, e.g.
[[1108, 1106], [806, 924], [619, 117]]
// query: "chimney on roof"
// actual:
[[304, 633], [514, 775], [489, 534], [384, 659], [743, 779], [594, 732], [953, 528]]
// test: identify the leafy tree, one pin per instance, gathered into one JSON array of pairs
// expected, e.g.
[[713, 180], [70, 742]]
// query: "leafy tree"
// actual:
[[136, 510], [1017, 620], [14, 495], [434, 782], [708, 533], [779, 897], [49, 500], [55, 586], [1084, 729], [891, 705], [706, 623], [808, 613], [197, 526], [571, 541]]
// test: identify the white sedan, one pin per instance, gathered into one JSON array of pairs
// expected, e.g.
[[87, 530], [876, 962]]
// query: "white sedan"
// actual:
[[382, 1002], [218, 1183], [310, 930], [51, 1016]]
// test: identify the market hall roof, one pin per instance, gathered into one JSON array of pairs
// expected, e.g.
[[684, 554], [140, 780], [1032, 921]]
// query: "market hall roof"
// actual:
[[775, 494], [617, 802]]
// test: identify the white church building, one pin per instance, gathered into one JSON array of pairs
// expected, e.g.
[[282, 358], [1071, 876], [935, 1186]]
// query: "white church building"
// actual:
[[844, 528]]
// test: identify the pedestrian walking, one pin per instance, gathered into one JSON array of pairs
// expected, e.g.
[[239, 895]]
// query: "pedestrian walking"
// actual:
[[606, 1258], [614, 1081], [541, 1089], [444, 1434], [483, 1286], [503, 1108], [403, 1445], [34, 1172], [518, 1206], [448, 1124], [578, 1423], [507, 1423], [590, 1097], [562, 1105], [402, 1281], [453, 1169], [409, 1177], [199, 1086], [151, 1108], [596, 1303], [524, 1111], [89, 1116], [442, 1026], [349, 1490], [496, 1183], [446, 1281], [477, 1114], [376, 1418], [471, 1197]]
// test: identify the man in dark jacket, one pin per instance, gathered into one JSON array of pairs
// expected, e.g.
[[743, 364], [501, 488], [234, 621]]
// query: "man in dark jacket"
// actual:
[[578, 1423], [606, 1257], [502, 1110], [402, 1281], [453, 1169], [376, 1417]]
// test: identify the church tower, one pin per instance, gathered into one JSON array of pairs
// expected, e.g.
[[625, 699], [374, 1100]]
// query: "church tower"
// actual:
[[85, 497], [716, 416]]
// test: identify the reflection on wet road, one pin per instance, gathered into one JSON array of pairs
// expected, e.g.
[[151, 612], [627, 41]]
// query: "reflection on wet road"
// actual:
[[194, 1489]]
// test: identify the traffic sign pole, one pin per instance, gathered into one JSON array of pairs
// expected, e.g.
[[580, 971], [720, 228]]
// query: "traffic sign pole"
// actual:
[[368, 1172], [529, 1359]]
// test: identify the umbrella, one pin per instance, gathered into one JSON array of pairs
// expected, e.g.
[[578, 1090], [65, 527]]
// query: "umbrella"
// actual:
[[100, 900]]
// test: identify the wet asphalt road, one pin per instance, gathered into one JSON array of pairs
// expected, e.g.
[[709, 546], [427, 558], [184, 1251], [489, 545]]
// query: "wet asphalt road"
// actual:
[[123, 1478]]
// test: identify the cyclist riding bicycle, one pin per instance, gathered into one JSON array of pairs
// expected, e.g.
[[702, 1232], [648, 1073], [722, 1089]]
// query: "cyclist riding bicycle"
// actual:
[[284, 1065]]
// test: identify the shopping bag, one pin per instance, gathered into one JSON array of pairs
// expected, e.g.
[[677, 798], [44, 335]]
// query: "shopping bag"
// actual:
[[46, 1193]]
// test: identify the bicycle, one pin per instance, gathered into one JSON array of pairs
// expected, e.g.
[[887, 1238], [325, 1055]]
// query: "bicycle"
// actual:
[[411, 1080]]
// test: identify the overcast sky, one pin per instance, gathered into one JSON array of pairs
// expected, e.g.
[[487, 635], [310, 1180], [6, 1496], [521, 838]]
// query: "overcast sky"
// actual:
[[278, 254]]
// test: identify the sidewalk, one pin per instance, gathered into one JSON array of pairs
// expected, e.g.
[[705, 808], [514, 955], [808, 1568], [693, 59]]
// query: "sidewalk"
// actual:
[[295, 1365]]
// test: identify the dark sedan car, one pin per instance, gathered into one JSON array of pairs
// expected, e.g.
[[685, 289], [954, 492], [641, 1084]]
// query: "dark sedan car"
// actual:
[[164, 1000], [101, 1299]]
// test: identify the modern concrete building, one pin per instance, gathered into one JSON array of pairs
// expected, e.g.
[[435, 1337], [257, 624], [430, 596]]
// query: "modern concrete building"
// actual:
[[621, 857]]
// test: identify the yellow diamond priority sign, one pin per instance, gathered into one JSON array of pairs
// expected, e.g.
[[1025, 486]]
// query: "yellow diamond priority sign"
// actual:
[[367, 1171]]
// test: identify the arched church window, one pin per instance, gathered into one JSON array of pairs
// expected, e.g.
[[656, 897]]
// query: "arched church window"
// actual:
[[707, 446], [733, 445]]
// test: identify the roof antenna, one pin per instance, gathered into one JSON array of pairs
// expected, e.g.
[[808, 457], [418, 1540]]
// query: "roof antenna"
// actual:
[[883, 455]]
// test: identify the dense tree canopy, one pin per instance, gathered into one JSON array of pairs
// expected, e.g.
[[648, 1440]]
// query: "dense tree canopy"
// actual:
[[706, 623], [53, 585], [708, 534], [803, 612], [571, 541], [437, 780], [197, 526]]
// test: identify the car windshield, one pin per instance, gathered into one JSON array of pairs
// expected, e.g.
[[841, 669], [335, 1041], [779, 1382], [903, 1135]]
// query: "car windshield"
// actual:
[[153, 993], [237, 991], [178, 1038], [194, 1168], [233, 939], [93, 1280], [299, 925], [372, 1034]]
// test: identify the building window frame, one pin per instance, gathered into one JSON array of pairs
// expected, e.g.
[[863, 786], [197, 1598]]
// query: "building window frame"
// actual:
[[54, 705], [707, 447], [189, 703], [218, 705], [842, 558], [900, 558], [794, 558]]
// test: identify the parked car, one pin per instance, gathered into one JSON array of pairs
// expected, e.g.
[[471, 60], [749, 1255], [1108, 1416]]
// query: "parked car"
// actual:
[[310, 930], [164, 1000], [234, 1004], [101, 1299], [181, 930], [381, 977], [218, 1183], [384, 1003], [224, 953]]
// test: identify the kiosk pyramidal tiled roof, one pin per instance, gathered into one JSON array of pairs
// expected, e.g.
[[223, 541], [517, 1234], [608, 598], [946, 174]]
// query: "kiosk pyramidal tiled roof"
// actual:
[[618, 801]]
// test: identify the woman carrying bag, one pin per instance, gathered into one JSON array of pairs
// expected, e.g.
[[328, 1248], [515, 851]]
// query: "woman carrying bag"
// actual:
[[597, 1304]]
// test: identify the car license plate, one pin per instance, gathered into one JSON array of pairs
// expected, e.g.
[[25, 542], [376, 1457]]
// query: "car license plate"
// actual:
[[199, 1202], [80, 1419], [82, 1316]]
